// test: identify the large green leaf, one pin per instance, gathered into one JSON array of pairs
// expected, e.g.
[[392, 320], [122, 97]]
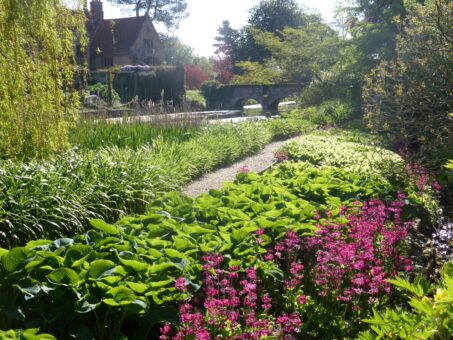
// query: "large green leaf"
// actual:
[[196, 230], [182, 243], [29, 292], [119, 296], [100, 268], [134, 265], [161, 267], [76, 255], [105, 227], [13, 258], [136, 307], [3, 252], [63, 277], [137, 287], [240, 234]]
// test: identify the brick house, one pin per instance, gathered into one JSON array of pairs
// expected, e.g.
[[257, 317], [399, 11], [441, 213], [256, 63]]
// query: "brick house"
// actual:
[[123, 41]]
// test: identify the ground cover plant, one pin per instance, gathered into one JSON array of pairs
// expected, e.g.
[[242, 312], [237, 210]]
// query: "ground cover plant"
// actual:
[[57, 198], [275, 243], [347, 151]]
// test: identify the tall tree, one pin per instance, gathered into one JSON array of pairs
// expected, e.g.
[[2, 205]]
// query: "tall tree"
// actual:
[[268, 16], [275, 15], [374, 26], [169, 12], [303, 54], [226, 38], [226, 47]]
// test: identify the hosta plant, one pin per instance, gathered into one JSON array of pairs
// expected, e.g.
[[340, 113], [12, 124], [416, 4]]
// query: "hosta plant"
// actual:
[[27, 334]]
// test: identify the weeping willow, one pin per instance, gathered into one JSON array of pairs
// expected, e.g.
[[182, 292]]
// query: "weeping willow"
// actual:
[[37, 65]]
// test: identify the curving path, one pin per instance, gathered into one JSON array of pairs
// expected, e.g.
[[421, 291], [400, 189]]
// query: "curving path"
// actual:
[[214, 180]]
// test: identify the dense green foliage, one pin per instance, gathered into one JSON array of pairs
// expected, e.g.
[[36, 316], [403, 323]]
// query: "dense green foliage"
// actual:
[[319, 54], [323, 245], [374, 29], [36, 73], [268, 16], [58, 197], [119, 279], [409, 98], [372, 162]]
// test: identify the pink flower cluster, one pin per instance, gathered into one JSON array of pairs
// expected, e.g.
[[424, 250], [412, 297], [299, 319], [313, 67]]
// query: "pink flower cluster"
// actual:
[[233, 303], [244, 170], [422, 178], [350, 262], [281, 156], [353, 261]]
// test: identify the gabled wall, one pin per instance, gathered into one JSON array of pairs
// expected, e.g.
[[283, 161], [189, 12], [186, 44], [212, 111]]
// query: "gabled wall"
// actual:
[[143, 53]]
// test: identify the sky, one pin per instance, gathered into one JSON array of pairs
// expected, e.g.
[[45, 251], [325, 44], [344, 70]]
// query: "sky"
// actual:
[[199, 29]]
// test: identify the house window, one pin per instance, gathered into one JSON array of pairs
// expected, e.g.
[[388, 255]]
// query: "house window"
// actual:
[[108, 62], [148, 44]]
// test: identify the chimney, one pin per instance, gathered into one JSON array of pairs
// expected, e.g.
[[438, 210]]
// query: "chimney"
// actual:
[[97, 13]]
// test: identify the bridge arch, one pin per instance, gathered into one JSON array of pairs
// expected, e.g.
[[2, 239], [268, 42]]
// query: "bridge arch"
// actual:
[[230, 97], [238, 103]]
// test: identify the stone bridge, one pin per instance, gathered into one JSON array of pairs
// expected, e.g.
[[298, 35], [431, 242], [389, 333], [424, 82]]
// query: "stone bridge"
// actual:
[[232, 97]]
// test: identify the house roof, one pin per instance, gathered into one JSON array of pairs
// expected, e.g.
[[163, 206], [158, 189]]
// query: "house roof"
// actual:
[[125, 31]]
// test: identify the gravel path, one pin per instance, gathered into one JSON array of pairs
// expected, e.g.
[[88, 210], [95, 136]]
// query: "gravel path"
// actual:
[[214, 180]]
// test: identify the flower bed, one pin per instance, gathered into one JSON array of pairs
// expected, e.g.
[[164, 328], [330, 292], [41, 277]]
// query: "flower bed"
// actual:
[[300, 251]]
